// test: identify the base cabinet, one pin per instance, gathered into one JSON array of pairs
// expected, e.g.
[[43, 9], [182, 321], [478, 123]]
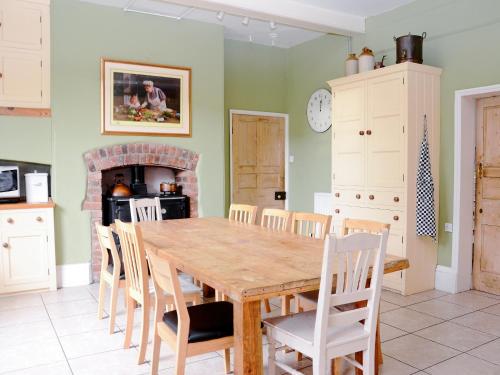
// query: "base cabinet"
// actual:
[[27, 255]]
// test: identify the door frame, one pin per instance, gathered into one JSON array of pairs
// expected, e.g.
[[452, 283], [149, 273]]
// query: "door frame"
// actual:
[[458, 277], [287, 148]]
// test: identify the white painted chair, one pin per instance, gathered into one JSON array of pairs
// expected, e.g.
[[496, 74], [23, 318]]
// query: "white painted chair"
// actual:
[[243, 213], [137, 284], [145, 209], [329, 333], [110, 274], [189, 331]]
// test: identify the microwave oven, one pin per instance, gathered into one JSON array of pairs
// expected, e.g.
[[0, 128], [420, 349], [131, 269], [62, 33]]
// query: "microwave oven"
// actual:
[[10, 188]]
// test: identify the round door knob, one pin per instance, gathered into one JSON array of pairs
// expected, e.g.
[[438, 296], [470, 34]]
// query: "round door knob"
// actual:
[[5, 245], [39, 219], [337, 195], [337, 211], [371, 197], [361, 132], [358, 196], [368, 132], [10, 220], [396, 199], [396, 218]]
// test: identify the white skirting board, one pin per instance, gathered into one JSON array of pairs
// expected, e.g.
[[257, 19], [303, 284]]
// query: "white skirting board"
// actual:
[[73, 275], [447, 280]]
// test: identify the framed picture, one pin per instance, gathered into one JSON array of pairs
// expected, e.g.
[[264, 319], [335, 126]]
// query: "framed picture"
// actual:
[[145, 99]]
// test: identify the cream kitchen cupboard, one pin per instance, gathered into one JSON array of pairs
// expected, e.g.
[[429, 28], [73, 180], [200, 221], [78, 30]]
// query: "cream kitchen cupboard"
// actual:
[[27, 253], [24, 54], [378, 122]]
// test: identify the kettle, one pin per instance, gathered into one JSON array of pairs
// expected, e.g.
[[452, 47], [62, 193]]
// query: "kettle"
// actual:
[[119, 189]]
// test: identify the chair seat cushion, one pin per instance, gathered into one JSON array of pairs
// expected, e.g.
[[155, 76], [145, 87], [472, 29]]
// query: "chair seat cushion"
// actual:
[[208, 321]]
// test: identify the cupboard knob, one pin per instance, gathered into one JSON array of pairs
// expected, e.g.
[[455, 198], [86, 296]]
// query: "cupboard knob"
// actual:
[[396, 199], [396, 218], [368, 132], [1, 75], [480, 210], [10, 220], [337, 211], [5, 245], [361, 132], [371, 197], [337, 195], [39, 219], [358, 196]]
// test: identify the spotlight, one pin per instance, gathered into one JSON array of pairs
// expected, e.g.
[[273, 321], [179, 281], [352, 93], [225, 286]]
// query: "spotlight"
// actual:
[[220, 15], [245, 21]]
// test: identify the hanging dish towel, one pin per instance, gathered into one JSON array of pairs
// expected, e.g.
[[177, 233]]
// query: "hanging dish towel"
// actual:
[[426, 214]]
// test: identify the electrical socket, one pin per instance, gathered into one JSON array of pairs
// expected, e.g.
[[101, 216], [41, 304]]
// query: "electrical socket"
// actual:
[[448, 227]]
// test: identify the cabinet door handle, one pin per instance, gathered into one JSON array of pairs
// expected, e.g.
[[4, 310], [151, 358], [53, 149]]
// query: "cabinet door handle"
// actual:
[[396, 199], [337, 211], [371, 197], [5, 245], [361, 132], [396, 218], [1, 75], [337, 195], [39, 219], [358, 196], [368, 132], [10, 220]]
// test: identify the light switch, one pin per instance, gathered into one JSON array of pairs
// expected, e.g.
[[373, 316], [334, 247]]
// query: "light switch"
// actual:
[[291, 158], [448, 227]]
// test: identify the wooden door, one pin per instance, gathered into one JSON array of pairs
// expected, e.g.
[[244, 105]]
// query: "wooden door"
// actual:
[[22, 24], [486, 269], [24, 260], [258, 160]]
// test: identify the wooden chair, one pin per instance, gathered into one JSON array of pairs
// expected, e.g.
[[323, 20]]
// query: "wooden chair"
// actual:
[[309, 225], [243, 213], [146, 209], [329, 333], [278, 220], [110, 273], [309, 300], [189, 331], [137, 283]]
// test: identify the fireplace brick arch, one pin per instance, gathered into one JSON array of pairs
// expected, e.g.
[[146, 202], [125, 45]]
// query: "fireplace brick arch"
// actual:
[[183, 161]]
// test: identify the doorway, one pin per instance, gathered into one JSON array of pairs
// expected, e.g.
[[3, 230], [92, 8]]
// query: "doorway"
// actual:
[[259, 159]]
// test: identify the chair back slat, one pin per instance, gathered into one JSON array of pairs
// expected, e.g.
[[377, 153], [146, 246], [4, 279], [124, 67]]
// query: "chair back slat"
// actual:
[[107, 243], [311, 225], [146, 209], [243, 213], [134, 258], [350, 258], [275, 219]]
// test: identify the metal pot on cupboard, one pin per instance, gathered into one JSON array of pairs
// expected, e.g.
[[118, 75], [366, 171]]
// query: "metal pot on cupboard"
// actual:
[[410, 48]]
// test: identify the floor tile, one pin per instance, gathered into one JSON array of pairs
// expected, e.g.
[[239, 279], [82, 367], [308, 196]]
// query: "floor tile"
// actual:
[[167, 356], [408, 320], [392, 366], [21, 333], [68, 294], [484, 294], [484, 322], [495, 309], [84, 344], [80, 324], [489, 352], [20, 301], [441, 309], [400, 300], [71, 308], [59, 368], [455, 336], [23, 316], [30, 354], [387, 306], [389, 333], [417, 352], [469, 299], [204, 367], [118, 362], [464, 364]]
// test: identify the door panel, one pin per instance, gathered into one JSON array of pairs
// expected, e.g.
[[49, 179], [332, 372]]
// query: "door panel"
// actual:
[[486, 268], [21, 24], [258, 158]]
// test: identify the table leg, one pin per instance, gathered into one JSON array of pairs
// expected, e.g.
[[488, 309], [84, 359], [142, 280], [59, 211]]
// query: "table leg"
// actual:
[[247, 339]]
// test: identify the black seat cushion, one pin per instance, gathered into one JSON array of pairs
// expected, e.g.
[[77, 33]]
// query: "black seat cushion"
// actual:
[[111, 268], [208, 321]]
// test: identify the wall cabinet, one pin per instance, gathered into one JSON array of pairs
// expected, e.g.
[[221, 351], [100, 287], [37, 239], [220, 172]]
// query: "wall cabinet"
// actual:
[[27, 252], [378, 120], [25, 54]]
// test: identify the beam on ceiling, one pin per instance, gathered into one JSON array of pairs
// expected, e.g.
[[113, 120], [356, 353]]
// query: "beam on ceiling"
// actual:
[[287, 12]]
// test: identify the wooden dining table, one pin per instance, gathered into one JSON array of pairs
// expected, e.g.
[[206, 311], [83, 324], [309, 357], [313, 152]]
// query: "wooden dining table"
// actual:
[[247, 263]]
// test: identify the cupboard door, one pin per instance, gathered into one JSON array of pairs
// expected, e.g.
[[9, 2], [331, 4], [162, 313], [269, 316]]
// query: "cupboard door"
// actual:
[[348, 146], [22, 24], [24, 260], [21, 79], [384, 133]]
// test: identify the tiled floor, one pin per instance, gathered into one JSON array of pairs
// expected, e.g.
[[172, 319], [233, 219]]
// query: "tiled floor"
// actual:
[[428, 333]]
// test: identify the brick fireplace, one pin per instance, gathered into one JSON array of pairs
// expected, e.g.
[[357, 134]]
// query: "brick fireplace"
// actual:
[[183, 161]]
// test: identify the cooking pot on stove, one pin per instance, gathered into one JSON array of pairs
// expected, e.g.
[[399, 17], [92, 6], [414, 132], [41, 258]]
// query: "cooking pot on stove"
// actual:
[[119, 189], [409, 48]]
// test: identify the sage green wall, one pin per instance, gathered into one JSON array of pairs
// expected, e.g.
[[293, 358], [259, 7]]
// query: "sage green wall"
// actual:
[[462, 39], [81, 34], [254, 79]]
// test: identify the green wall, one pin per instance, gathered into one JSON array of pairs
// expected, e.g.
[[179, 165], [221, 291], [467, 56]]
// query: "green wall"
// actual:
[[81, 34], [254, 79]]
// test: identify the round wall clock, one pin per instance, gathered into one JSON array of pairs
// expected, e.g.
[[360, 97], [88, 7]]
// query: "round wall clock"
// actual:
[[319, 110]]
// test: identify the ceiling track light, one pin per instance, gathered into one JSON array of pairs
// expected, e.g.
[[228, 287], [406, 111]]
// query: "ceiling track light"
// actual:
[[273, 25], [245, 21], [220, 15]]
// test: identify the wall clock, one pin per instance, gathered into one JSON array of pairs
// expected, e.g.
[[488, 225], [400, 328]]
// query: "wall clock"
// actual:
[[319, 111]]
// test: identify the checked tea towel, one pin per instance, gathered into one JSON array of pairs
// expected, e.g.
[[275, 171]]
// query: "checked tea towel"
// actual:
[[426, 214]]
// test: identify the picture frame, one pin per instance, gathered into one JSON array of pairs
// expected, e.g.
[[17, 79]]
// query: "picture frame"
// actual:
[[145, 99]]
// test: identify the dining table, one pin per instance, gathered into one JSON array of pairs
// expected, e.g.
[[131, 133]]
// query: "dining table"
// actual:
[[247, 263]]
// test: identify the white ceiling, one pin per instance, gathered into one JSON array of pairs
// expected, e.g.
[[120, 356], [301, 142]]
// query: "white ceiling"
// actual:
[[301, 20]]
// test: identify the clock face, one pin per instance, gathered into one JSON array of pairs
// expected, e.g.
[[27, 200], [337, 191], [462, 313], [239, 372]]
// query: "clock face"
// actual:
[[319, 110]]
